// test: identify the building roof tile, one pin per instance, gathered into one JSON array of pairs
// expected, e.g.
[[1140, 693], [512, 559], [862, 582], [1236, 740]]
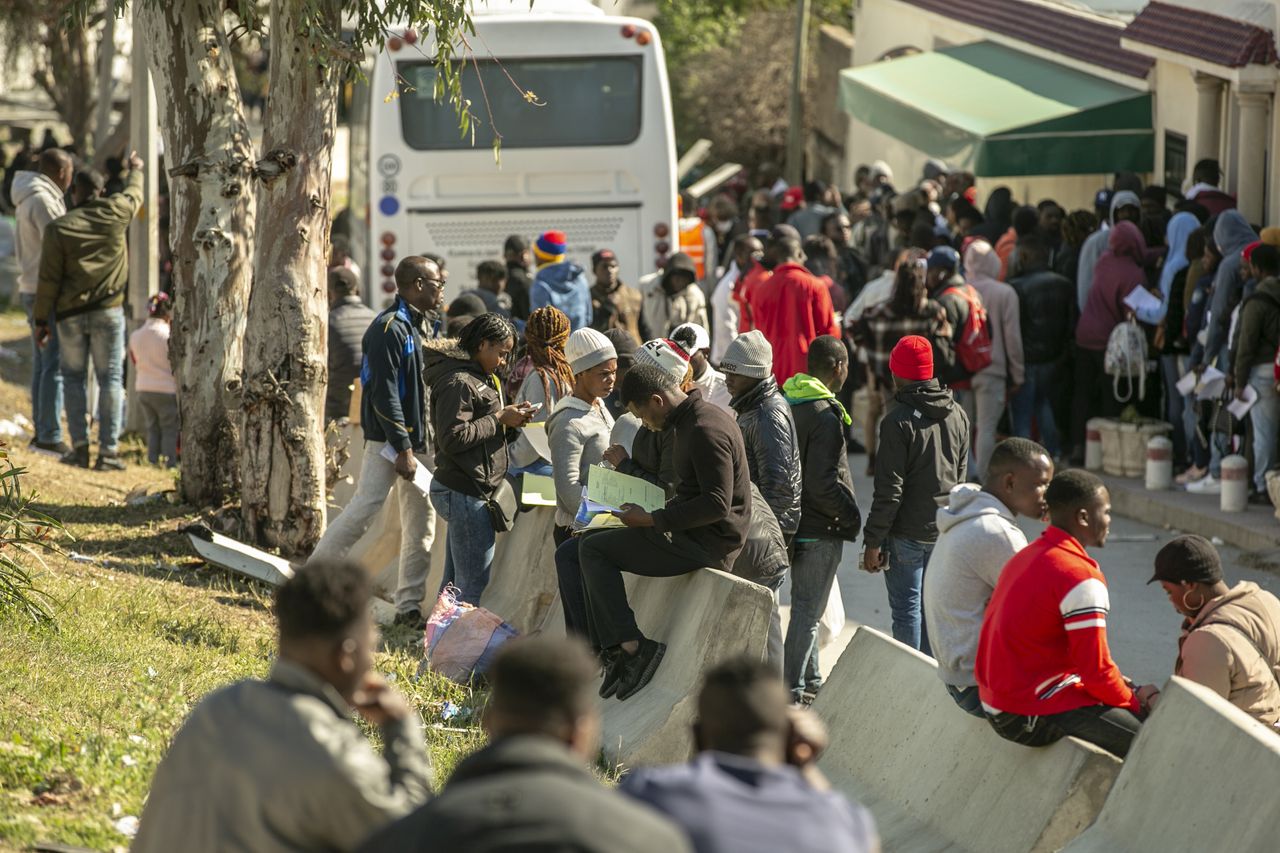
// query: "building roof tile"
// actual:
[[1057, 30], [1080, 37], [1204, 35]]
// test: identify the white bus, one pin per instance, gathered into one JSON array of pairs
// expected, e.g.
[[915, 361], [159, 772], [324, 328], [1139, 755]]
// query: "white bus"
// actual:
[[594, 157]]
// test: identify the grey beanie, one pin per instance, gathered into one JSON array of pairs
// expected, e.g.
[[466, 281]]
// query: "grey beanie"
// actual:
[[748, 355], [586, 348]]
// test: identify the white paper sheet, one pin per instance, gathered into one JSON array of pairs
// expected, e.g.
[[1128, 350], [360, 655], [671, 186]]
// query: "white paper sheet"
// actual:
[[421, 476], [1140, 299], [1187, 385], [1212, 382], [1240, 407], [536, 432]]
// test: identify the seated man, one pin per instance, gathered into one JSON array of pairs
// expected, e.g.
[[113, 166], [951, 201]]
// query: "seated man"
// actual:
[[978, 534], [278, 765], [703, 525], [1044, 670], [530, 788], [753, 785]]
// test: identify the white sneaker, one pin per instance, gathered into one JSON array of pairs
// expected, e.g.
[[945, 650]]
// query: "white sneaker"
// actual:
[[1206, 485]]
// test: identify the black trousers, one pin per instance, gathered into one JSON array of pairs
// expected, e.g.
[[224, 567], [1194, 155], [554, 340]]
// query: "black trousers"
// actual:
[[641, 551], [1110, 728], [1094, 395]]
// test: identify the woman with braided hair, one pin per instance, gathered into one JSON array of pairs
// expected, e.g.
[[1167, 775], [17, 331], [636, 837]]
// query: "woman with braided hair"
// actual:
[[549, 379]]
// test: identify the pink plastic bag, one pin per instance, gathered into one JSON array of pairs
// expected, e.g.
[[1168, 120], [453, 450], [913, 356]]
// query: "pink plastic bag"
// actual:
[[461, 638]]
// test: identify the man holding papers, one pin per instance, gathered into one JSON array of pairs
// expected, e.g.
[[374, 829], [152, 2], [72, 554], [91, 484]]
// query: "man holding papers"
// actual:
[[703, 525], [1256, 340]]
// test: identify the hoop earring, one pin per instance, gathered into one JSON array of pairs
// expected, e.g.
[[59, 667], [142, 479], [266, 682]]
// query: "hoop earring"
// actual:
[[1189, 606]]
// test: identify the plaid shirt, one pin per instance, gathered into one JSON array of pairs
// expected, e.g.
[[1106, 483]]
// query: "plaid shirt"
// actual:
[[879, 330]]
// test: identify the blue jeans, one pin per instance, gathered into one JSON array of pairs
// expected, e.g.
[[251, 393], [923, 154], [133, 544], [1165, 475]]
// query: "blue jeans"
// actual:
[[1033, 400], [468, 554], [813, 571], [1265, 418], [968, 700], [98, 333], [46, 380], [904, 579]]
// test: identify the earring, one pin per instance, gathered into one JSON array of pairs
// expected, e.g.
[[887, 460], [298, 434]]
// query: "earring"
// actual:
[[1188, 605]]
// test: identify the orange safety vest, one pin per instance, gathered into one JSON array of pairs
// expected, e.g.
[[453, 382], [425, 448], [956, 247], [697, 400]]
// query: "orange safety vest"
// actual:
[[693, 243]]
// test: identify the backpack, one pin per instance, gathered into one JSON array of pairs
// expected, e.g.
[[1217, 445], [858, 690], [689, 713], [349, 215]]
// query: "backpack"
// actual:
[[973, 345], [1126, 357]]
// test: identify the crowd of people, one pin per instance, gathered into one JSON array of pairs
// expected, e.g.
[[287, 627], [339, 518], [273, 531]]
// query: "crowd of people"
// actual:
[[978, 343]]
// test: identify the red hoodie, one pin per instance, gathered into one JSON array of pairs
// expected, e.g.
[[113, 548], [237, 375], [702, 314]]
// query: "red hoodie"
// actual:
[[1043, 647], [744, 292], [1117, 273], [792, 308]]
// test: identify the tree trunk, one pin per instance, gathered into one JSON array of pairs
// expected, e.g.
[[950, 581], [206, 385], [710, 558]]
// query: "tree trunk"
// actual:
[[282, 466], [209, 158]]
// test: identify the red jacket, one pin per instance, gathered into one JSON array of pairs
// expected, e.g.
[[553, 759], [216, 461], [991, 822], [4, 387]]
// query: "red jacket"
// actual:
[[744, 291], [792, 308], [1043, 647]]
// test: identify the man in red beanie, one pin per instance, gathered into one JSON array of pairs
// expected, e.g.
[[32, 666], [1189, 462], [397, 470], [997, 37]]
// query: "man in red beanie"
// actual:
[[922, 451], [560, 282]]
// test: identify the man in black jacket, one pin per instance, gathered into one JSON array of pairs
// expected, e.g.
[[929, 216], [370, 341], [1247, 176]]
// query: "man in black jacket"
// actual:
[[519, 257], [1048, 311], [923, 452], [703, 525], [393, 408], [768, 432], [829, 514], [349, 319], [530, 788]]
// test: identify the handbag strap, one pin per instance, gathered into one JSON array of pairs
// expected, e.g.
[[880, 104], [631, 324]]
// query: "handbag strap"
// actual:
[[1242, 632]]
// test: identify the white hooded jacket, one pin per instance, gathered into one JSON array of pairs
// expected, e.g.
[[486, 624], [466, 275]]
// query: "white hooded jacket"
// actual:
[[38, 202], [977, 535]]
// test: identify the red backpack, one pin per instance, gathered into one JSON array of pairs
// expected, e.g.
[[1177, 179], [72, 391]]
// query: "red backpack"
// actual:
[[973, 344]]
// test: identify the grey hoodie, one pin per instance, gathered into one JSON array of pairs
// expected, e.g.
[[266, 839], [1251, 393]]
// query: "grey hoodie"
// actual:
[[977, 535], [37, 202], [1094, 247], [1232, 233], [578, 433]]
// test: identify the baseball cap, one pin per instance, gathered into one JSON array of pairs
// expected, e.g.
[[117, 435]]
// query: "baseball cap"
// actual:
[[944, 257], [1188, 558]]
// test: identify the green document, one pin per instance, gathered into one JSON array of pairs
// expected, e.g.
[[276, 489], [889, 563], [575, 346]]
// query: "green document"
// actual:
[[608, 490]]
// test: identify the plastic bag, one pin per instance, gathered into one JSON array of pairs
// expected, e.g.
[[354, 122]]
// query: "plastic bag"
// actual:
[[461, 639], [832, 621]]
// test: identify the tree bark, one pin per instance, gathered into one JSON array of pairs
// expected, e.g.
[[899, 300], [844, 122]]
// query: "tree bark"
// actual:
[[282, 465], [209, 156]]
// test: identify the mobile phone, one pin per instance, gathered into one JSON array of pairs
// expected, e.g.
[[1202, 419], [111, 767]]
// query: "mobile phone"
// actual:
[[531, 408]]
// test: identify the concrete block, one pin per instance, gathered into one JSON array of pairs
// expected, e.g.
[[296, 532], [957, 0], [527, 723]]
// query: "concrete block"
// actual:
[[704, 617], [522, 586], [238, 557], [1202, 775], [935, 777]]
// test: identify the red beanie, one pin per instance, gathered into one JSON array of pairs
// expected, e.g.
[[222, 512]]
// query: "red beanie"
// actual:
[[912, 359]]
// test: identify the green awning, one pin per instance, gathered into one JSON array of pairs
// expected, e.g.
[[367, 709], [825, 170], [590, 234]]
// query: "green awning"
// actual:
[[1001, 113]]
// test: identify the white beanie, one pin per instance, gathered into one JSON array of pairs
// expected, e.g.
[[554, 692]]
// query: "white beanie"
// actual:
[[587, 348], [666, 355], [748, 355]]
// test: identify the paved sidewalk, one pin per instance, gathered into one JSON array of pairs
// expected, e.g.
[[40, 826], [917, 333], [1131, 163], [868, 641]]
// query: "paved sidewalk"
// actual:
[[1255, 529]]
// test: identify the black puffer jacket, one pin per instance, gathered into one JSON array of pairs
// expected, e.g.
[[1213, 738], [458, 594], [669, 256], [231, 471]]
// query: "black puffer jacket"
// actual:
[[923, 451], [828, 507], [1048, 310], [470, 442], [773, 455]]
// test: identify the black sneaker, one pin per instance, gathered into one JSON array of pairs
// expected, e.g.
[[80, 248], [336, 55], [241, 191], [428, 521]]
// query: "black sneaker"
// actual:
[[639, 668], [78, 457], [410, 619], [58, 448], [108, 462], [615, 663]]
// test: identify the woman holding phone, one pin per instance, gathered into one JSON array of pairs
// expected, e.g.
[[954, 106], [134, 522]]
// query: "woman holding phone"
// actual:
[[473, 425]]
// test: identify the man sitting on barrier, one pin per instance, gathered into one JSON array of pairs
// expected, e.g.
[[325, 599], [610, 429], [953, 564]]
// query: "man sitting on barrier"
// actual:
[[703, 525], [977, 535], [754, 784], [1044, 670], [530, 788]]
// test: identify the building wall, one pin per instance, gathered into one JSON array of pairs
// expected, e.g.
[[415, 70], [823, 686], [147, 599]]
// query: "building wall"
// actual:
[[1173, 109], [826, 145]]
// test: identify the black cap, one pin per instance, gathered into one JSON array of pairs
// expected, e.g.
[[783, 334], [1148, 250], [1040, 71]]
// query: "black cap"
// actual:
[[624, 344], [1188, 558]]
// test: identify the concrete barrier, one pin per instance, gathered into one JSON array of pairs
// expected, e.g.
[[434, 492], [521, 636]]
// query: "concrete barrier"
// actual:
[[704, 617], [938, 779], [1202, 775], [522, 585]]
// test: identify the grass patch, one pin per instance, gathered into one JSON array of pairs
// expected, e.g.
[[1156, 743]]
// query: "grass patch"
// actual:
[[142, 631]]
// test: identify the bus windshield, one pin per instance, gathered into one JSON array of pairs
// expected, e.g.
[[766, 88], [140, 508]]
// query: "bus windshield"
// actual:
[[586, 101]]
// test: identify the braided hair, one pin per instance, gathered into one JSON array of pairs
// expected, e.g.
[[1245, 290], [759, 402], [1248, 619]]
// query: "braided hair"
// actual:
[[545, 335], [493, 328]]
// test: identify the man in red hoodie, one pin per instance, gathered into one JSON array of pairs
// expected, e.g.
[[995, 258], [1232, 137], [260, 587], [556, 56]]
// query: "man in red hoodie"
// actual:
[[1044, 670], [792, 309]]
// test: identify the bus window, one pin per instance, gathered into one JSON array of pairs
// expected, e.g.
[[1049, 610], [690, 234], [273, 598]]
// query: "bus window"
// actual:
[[588, 101]]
